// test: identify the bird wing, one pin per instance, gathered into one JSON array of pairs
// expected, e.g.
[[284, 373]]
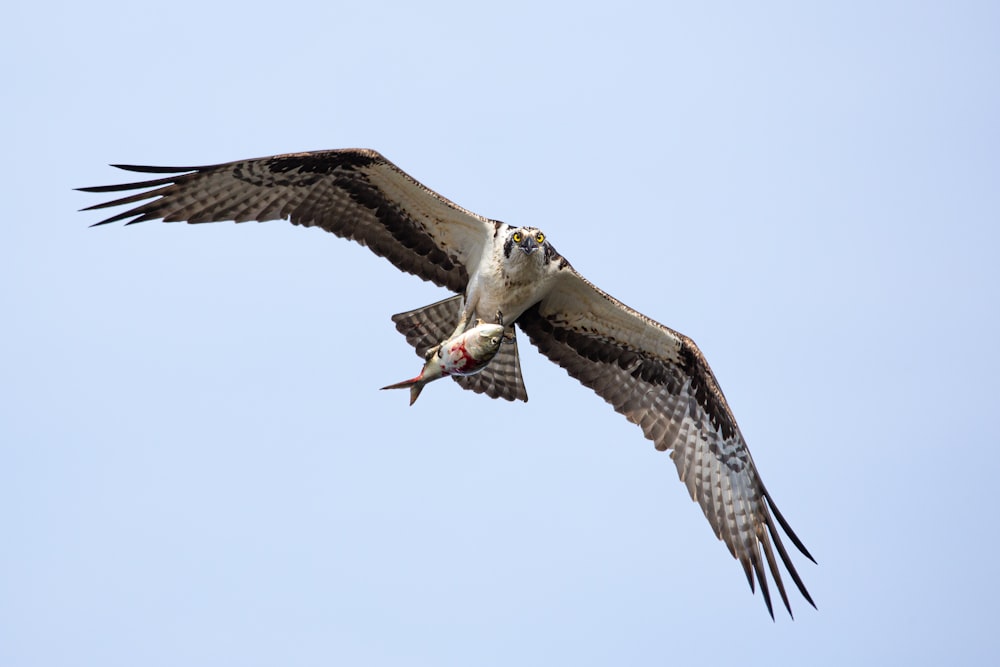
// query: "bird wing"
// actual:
[[659, 380], [356, 194]]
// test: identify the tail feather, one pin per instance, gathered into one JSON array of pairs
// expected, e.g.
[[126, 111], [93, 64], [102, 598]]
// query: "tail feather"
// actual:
[[416, 385]]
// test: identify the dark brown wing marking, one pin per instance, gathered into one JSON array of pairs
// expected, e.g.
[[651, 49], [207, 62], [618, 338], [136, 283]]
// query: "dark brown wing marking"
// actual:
[[355, 194], [659, 380]]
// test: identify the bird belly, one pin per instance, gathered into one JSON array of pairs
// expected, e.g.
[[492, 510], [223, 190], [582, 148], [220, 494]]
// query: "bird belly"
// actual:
[[509, 298]]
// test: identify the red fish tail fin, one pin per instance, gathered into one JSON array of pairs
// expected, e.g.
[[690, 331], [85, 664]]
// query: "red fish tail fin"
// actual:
[[416, 385], [415, 391]]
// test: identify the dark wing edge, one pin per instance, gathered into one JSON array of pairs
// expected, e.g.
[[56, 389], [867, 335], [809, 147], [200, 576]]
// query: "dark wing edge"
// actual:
[[354, 193], [659, 380]]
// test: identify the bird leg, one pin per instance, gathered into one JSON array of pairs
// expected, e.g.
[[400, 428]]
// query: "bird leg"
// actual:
[[463, 321]]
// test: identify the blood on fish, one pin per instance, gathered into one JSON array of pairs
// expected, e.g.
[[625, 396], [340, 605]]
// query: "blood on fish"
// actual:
[[456, 358]]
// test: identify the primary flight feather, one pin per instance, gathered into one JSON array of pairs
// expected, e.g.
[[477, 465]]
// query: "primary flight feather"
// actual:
[[503, 275]]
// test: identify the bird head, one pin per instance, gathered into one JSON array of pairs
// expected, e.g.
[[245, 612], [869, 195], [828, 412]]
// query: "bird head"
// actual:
[[525, 239]]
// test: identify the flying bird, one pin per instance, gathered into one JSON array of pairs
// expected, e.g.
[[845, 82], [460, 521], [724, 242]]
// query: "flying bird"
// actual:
[[656, 377]]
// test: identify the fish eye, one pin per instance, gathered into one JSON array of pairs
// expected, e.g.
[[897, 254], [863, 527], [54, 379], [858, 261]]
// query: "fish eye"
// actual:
[[539, 237], [517, 237]]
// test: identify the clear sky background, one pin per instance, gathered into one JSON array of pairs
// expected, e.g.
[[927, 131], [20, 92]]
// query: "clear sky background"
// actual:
[[197, 468]]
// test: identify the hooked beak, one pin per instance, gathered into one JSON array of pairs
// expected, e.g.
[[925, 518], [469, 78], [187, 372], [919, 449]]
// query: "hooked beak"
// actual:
[[528, 245]]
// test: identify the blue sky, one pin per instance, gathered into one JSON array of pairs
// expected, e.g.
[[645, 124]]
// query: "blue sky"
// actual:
[[196, 466]]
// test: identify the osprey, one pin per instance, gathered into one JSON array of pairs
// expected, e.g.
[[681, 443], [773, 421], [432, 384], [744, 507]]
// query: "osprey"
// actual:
[[653, 375]]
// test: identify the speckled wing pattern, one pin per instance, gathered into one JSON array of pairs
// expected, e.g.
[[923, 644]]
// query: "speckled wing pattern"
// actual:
[[354, 193], [659, 380], [426, 327]]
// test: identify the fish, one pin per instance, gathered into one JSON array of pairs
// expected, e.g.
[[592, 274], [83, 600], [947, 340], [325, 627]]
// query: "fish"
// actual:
[[465, 354]]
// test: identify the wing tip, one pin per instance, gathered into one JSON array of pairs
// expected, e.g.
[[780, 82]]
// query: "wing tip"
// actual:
[[786, 527], [152, 169]]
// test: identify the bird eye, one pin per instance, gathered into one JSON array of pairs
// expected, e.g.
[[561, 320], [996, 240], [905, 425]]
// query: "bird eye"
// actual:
[[517, 237], [540, 237]]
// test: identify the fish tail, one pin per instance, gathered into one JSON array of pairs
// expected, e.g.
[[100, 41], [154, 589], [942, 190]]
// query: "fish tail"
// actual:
[[416, 385]]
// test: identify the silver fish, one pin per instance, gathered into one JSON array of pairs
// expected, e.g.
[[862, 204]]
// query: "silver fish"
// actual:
[[465, 354]]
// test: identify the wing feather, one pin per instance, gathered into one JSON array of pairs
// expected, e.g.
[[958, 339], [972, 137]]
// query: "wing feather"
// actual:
[[660, 381], [353, 193]]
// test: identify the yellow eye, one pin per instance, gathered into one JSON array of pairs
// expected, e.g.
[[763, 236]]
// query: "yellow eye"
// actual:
[[517, 237], [540, 237]]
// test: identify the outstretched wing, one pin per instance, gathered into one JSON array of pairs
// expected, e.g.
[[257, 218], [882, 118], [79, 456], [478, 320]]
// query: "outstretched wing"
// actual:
[[659, 380], [353, 193]]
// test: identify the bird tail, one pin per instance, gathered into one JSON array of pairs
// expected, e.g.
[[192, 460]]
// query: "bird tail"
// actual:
[[416, 386]]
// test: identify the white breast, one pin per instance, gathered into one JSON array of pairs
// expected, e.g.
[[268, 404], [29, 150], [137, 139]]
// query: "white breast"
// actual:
[[510, 285]]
